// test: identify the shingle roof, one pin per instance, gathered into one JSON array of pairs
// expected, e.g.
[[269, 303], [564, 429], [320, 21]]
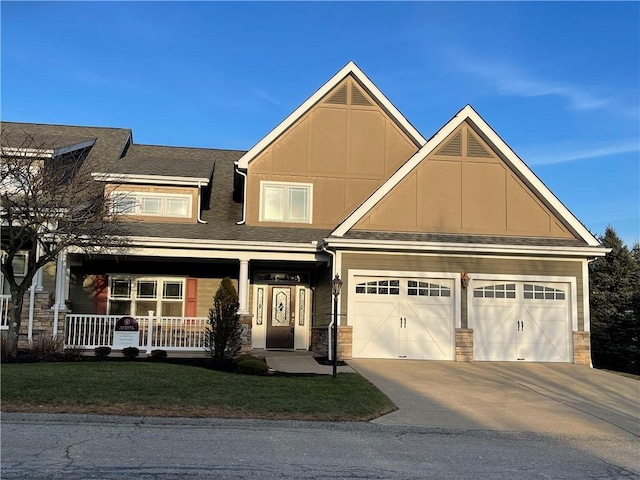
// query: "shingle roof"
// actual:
[[170, 161], [109, 142]]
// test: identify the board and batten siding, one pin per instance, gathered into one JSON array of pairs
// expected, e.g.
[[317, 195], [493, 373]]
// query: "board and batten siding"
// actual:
[[322, 299], [458, 264]]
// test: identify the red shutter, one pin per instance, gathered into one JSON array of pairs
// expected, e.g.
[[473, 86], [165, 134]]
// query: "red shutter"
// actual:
[[100, 292], [191, 298]]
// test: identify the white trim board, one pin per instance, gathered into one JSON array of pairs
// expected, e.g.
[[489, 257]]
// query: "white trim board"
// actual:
[[590, 251], [150, 179], [349, 69], [508, 155]]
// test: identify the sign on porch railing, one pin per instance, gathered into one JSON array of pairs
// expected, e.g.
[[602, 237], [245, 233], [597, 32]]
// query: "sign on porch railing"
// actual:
[[126, 333], [4, 311], [165, 333]]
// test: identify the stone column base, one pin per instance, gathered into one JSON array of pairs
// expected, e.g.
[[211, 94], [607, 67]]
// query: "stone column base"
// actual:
[[582, 348], [345, 342], [464, 345]]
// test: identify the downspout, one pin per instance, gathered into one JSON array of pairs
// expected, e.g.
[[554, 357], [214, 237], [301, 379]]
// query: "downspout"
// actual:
[[32, 300], [244, 195], [333, 275], [200, 203]]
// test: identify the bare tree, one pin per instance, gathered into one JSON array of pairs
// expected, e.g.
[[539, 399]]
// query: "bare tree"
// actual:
[[49, 202]]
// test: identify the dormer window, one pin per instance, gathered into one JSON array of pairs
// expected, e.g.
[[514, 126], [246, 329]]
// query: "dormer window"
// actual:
[[285, 202], [151, 204]]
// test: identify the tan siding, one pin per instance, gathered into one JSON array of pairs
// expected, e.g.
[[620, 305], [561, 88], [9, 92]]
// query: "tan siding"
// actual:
[[450, 264], [345, 151], [472, 193], [49, 277], [207, 288]]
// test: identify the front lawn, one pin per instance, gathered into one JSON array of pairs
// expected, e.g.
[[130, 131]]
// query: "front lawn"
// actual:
[[161, 389]]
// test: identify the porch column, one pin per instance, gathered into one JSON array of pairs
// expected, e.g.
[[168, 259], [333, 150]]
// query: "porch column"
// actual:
[[243, 286], [38, 278], [61, 281]]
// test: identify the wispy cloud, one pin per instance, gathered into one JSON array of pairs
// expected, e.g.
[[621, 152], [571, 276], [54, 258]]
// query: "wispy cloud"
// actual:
[[266, 97], [509, 79], [565, 153]]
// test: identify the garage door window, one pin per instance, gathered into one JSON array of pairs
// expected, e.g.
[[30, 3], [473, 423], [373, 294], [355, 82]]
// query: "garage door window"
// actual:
[[381, 287], [540, 292], [506, 290], [425, 289]]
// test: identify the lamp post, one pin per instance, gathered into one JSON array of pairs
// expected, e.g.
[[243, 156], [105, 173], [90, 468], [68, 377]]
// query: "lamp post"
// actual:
[[336, 285]]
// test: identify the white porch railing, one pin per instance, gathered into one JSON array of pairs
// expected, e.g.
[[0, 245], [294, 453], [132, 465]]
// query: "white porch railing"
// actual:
[[4, 311], [164, 333]]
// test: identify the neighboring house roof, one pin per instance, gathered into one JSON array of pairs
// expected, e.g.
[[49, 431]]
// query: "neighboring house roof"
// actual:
[[349, 69], [508, 156], [109, 142], [155, 161]]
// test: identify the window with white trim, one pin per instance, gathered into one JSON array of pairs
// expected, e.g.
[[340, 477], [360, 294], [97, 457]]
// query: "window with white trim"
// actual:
[[426, 289], [380, 287], [285, 202], [541, 292], [20, 264], [505, 290], [151, 204], [138, 295]]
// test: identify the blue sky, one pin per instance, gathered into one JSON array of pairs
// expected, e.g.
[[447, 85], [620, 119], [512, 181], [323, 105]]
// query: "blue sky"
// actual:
[[559, 82]]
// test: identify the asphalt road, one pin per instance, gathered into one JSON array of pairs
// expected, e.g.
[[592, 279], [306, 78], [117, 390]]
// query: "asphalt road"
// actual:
[[82, 447]]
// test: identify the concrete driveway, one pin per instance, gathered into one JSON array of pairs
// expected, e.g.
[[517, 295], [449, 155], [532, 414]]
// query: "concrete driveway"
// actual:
[[534, 397]]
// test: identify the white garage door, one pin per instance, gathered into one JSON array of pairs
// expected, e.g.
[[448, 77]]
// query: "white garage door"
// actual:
[[526, 321], [403, 318]]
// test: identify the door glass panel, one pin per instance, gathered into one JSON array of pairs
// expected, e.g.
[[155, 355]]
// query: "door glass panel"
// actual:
[[281, 307]]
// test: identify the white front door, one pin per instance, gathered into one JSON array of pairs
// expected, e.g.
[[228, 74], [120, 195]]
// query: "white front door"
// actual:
[[526, 321], [403, 318]]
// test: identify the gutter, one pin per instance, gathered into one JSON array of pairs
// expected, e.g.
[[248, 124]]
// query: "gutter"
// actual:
[[244, 195], [200, 203]]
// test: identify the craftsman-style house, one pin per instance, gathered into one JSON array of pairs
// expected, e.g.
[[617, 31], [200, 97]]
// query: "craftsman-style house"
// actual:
[[450, 248]]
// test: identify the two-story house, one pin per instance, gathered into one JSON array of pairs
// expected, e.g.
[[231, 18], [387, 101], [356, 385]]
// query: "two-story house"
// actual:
[[450, 248]]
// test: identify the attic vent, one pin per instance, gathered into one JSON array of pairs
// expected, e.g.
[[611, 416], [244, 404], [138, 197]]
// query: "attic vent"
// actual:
[[453, 147], [474, 148], [358, 98], [340, 97]]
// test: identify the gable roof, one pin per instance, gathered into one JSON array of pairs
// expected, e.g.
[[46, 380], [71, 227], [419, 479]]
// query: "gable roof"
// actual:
[[349, 69], [509, 156]]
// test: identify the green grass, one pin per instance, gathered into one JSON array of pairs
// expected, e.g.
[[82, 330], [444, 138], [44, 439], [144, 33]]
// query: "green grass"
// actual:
[[130, 388]]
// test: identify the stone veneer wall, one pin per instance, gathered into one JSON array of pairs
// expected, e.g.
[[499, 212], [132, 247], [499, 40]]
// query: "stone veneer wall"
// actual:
[[320, 341], [582, 348], [42, 319], [247, 321], [464, 345]]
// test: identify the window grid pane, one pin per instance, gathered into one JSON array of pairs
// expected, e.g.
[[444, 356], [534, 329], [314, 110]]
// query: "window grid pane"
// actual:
[[151, 206], [177, 207]]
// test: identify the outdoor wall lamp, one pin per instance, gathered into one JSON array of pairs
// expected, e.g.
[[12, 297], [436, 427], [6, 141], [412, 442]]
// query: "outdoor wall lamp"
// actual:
[[336, 286], [465, 279]]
